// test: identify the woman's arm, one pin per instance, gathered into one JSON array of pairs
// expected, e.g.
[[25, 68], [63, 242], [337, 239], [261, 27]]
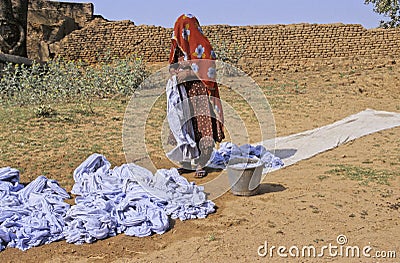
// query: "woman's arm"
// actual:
[[185, 75]]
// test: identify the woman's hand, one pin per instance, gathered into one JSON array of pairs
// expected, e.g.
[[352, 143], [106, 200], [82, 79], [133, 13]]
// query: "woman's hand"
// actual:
[[184, 75], [184, 64], [172, 71]]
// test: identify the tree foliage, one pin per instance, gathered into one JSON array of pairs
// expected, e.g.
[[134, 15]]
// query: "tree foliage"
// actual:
[[388, 8]]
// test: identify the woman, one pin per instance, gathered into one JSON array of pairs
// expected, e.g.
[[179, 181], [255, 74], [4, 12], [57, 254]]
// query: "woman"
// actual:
[[192, 64]]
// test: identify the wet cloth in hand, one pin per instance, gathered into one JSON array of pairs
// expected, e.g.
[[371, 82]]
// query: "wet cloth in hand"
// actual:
[[179, 120]]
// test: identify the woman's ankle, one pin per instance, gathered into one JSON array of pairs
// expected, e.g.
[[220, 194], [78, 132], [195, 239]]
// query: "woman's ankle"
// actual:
[[186, 165]]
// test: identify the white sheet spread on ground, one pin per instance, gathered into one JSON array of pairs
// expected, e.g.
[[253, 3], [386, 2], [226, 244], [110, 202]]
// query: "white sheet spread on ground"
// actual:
[[294, 148], [130, 199]]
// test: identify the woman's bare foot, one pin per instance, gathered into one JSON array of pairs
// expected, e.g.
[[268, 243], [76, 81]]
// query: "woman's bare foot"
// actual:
[[200, 173], [183, 170]]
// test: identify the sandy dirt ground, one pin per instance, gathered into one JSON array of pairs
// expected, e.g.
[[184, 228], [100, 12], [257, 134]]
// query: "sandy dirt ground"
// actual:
[[307, 204]]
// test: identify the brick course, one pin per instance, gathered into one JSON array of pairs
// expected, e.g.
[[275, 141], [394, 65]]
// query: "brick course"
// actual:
[[267, 47]]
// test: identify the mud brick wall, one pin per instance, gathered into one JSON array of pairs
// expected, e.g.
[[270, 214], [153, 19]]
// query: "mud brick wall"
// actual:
[[120, 39], [266, 48]]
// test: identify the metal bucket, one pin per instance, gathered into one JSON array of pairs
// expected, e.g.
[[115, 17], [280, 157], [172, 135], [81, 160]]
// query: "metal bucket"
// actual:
[[244, 175]]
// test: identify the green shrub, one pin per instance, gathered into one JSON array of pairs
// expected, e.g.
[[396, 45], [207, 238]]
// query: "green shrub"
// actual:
[[70, 81], [45, 111]]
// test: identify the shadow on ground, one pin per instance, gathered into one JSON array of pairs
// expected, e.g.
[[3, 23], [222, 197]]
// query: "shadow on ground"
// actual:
[[266, 188]]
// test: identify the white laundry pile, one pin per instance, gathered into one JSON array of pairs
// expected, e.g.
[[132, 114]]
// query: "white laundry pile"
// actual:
[[32, 215], [127, 199]]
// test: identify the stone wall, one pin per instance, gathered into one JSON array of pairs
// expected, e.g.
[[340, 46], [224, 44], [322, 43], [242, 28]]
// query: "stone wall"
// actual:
[[266, 48], [50, 21]]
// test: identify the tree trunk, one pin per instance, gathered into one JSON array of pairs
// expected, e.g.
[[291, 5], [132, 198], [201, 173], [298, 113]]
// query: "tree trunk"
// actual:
[[13, 27]]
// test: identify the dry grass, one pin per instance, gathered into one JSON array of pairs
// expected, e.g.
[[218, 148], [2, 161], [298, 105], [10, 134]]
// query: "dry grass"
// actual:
[[299, 205]]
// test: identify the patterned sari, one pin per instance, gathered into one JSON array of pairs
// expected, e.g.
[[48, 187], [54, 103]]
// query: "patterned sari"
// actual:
[[191, 46]]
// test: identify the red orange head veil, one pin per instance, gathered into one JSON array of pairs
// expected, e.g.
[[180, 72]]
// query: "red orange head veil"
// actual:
[[189, 38]]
